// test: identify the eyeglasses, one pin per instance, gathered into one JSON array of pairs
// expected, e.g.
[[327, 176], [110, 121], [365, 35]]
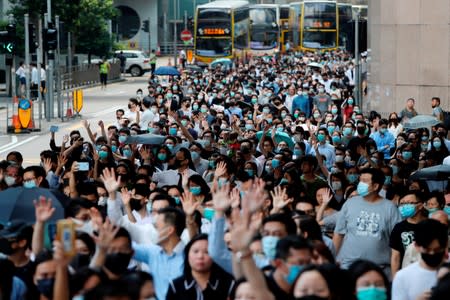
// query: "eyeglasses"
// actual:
[[413, 203], [29, 179]]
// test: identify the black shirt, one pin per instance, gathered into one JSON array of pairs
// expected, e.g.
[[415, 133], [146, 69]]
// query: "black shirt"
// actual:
[[402, 236], [278, 293]]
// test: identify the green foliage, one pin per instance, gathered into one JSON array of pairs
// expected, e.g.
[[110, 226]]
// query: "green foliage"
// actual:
[[86, 19]]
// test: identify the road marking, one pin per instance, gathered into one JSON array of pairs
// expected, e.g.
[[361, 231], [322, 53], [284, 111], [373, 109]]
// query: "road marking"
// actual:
[[4, 149], [104, 112], [13, 141]]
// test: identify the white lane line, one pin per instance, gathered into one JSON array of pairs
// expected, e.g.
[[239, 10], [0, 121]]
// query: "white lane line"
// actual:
[[104, 112], [13, 141], [19, 143]]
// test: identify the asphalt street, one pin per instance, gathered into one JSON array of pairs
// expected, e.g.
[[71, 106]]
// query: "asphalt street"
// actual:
[[98, 105]]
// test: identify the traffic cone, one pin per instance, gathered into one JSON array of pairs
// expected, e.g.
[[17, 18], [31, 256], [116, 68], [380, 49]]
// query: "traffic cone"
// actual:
[[69, 112], [15, 117], [158, 50]]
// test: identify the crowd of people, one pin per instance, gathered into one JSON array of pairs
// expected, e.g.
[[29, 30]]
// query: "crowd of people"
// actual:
[[259, 180]]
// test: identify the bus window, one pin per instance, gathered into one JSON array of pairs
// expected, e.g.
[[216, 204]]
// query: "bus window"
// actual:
[[213, 47], [241, 28]]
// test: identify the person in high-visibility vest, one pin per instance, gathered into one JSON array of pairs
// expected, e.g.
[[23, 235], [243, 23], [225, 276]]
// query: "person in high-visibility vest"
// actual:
[[104, 70], [153, 60]]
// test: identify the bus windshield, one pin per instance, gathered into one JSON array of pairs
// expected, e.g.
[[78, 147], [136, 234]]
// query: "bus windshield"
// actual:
[[319, 39], [213, 22], [320, 15], [263, 16], [263, 38], [212, 47]]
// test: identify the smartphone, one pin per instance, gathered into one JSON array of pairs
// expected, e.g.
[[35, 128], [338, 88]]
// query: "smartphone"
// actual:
[[65, 233], [54, 128], [83, 166]]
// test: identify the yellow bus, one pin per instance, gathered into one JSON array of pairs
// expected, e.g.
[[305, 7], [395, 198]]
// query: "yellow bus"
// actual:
[[222, 30], [285, 26], [264, 29], [315, 25]]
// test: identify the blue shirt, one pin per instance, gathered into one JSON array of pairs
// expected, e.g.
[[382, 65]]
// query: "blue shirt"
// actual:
[[382, 140], [164, 267], [302, 102], [233, 111]]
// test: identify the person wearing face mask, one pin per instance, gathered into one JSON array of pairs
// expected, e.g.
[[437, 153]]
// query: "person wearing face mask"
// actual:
[[12, 176], [133, 113], [322, 101], [411, 207], [147, 117], [34, 176], [15, 240], [324, 148], [44, 274], [135, 204], [183, 169], [416, 280], [407, 164], [369, 281], [302, 101], [384, 140], [368, 238], [323, 282]]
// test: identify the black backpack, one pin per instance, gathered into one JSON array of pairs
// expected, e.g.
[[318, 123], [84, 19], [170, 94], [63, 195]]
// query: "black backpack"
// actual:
[[447, 119]]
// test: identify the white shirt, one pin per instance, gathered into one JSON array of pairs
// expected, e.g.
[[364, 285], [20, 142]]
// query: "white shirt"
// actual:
[[34, 75], [43, 75], [20, 72], [412, 281], [446, 161], [146, 117]]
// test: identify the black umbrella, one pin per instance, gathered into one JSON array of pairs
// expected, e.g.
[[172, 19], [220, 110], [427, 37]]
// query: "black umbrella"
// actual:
[[17, 203], [441, 172]]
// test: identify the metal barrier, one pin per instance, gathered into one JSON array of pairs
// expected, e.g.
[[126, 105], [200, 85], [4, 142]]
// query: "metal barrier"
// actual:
[[85, 75]]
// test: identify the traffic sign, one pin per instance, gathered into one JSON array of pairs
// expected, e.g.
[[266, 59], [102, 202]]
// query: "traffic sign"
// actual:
[[186, 35], [9, 47]]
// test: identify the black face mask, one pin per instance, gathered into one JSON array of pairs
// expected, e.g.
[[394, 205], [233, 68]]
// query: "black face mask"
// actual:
[[433, 260], [117, 263], [361, 130], [45, 287], [80, 260], [135, 204], [177, 163]]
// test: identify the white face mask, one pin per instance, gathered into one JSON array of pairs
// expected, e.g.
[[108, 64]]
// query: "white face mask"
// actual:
[[163, 235], [9, 180], [82, 226], [339, 158]]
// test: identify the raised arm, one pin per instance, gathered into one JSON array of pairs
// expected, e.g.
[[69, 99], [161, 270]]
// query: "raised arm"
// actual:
[[189, 208], [43, 211]]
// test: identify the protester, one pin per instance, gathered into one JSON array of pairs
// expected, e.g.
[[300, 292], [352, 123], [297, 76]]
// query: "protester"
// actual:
[[230, 183]]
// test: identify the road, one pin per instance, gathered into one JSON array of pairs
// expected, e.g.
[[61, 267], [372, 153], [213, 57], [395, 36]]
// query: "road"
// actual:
[[98, 105]]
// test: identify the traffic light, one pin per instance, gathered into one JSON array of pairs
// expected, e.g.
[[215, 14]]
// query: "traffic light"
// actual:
[[145, 26], [50, 38], [32, 41], [8, 39]]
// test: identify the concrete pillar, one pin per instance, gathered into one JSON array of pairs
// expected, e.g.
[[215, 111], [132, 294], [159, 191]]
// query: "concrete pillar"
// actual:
[[410, 54]]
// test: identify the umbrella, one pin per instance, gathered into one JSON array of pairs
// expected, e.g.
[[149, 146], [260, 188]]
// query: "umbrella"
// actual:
[[440, 172], [421, 121], [315, 65], [279, 137], [170, 71], [222, 61], [17, 203]]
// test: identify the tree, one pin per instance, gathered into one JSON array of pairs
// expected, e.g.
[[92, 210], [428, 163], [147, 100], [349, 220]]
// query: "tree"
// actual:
[[85, 19]]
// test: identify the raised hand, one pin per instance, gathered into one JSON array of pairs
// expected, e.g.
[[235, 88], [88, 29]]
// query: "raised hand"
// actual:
[[326, 196], [241, 232], [279, 197], [58, 254], [43, 209], [145, 153], [255, 196], [126, 196], [235, 197], [65, 138], [101, 124], [109, 180], [85, 124], [189, 204], [47, 164], [221, 169], [106, 234], [221, 198]]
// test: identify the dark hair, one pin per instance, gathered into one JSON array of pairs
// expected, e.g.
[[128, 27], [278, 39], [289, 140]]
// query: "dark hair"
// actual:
[[87, 188], [142, 189], [429, 230], [187, 268], [187, 155], [87, 239], [285, 219], [82, 275], [135, 280], [198, 180], [439, 198], [165, 197], [337, 280], [418, 194], [312, 160], [321, 248], [377, 176], [6, 278], [310, 226], [291, 242], [174, 217], [74, 206], [42, 257], [361, 267]]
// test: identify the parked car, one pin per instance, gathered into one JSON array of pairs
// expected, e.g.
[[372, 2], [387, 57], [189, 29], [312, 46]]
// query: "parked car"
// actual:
[[137, 63]]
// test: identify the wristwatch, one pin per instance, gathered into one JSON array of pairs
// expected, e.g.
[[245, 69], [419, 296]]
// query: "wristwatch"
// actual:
[[240, 255]]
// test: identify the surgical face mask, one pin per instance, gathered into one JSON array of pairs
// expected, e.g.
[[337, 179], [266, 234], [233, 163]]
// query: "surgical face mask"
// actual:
[[352, 178], [331, 129], [294, 270], [208, 213], [249, 126], [394, 169], [437, 144], [363, 189], [269, 244], [387, 180], [275, 163], [297, 152], [347, 131], [371, 293], [103, 154], [407, 210], [195, 190], [316, 115], [334, 111], [339, 158], [266, 110], [122, 138], [29, 184], [447, 210], [336, 185], [127, 153], [9, 180], [173, 131], [321, 90], [407, 155], [321, 137]]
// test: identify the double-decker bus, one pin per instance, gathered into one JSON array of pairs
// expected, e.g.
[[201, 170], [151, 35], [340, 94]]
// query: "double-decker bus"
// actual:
[[315, 25], [346, 27], [264, 29], [222, 30], [285, 26]]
